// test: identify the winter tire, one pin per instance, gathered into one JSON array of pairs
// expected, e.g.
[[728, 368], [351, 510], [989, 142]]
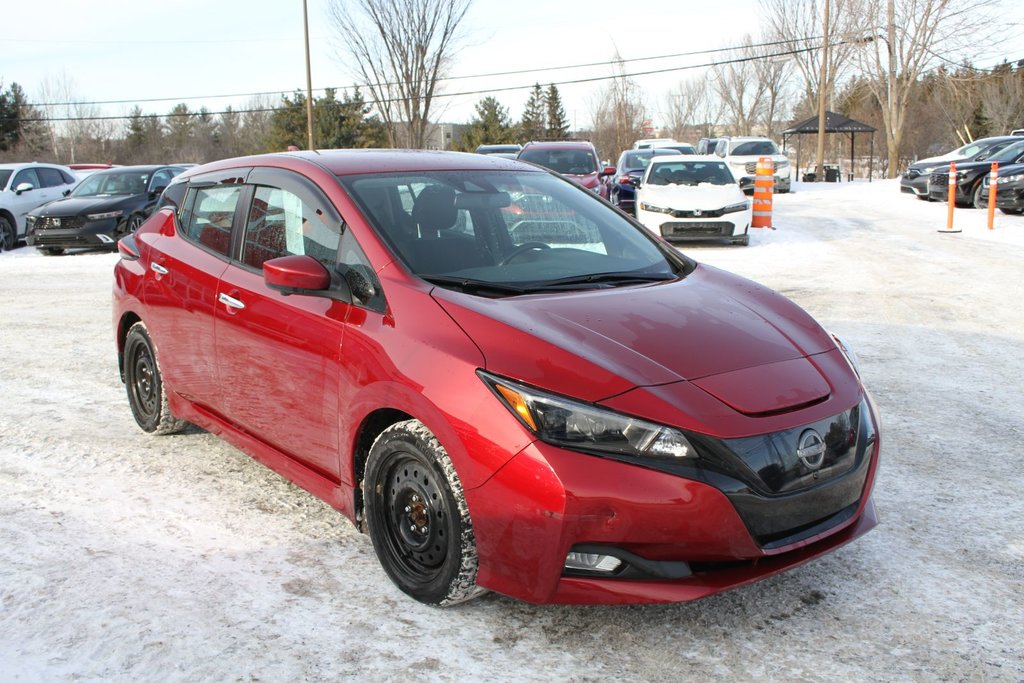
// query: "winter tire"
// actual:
[[1013, 212], [50, 251], [976, 201], [146, 394], [8, 234], [417, 516]]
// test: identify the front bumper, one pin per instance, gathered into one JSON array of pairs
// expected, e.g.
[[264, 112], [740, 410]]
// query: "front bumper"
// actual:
[[75, 233], [708, 226], [548, 501], [1008, 196], [912, 182]]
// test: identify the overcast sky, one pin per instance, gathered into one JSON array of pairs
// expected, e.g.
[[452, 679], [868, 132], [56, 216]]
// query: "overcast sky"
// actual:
[[157, 54]]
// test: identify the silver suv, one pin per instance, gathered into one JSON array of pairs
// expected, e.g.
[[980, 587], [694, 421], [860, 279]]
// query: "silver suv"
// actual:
[[23, 187], [742, 153]]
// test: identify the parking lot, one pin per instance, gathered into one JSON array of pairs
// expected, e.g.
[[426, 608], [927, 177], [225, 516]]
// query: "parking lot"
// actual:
[[130, 557]]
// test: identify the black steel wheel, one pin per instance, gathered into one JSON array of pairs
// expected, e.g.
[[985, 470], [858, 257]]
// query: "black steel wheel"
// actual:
[[417, 516], [146, 394], [8, 234]]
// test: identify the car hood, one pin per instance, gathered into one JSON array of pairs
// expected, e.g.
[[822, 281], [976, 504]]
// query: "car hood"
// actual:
[[735, 339], [587, 180], [690, 197], [1010, 169], [76, 206]]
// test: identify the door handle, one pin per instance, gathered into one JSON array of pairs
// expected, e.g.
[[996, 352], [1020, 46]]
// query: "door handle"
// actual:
[[157, 268], [230, 301]]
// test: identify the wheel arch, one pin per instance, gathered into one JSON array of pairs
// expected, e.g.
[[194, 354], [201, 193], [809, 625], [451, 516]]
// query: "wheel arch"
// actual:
[[123, 325], [369, 429]]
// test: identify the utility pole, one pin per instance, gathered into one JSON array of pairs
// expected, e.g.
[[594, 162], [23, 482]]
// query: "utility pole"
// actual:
[[822, 87], [309, 81], [891, 76]]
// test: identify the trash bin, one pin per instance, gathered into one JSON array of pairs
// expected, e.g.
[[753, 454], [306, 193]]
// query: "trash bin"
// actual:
[[831, 173], [809, 177]]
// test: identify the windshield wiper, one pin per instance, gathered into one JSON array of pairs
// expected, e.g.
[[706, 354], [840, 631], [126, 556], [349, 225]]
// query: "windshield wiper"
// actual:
[[609, 279], [471, 286]]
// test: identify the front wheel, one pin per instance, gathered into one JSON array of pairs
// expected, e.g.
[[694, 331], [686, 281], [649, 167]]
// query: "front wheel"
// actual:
[[417, 516], [8, 234], [976, 199], [49, 251], [146, 394], [1013, 212]]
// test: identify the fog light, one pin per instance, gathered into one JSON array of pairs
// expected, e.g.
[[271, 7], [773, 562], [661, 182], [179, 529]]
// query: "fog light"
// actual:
[[592, 562], [105, 239]]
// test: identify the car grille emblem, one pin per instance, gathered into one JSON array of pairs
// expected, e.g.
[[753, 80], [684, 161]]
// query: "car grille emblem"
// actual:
[[811, 449], [56, 222], [698, 212]]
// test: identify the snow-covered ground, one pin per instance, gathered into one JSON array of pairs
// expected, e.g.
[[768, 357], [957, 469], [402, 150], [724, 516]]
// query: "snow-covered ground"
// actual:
[[128, 557]]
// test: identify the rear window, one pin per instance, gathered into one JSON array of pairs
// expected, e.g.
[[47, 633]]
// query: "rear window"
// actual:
[[5, 175], [565, 161]]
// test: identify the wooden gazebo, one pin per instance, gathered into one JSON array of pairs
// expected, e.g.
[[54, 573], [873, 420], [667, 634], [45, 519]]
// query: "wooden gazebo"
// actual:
[[834, 123]]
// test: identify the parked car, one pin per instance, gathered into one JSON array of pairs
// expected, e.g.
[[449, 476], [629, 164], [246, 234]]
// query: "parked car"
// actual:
[[707, 145], [506, 151], [1019, 131], [969, 175], [743, 153], [628, 170], [559, 408], [1009, 189], [652, 143], [693, 198], [23, 187], [576, 160], [83, 170], [915, 179], [103, 208]]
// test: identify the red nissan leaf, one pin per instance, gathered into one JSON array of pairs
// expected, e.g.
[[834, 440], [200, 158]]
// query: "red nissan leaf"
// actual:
[[508, 384]]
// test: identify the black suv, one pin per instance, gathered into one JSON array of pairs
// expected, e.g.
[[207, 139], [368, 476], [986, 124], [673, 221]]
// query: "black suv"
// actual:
[[915, 179], [969, 175]]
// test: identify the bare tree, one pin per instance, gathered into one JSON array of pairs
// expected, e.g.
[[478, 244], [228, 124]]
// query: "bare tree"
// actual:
[[620, 114], [911, 38], [741, 89], [693, 109], [400, 49], [1002, 99]]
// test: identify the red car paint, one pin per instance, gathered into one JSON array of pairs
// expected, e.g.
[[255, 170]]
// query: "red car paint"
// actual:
[[304, 383]]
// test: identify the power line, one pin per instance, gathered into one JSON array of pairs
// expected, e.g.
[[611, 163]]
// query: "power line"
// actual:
[[517, 72]]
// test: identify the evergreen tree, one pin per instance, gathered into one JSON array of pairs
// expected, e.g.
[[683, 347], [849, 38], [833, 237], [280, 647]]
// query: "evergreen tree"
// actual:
[[557, 124], [14, 109], [533, 125], [491, 125], [340, 124]]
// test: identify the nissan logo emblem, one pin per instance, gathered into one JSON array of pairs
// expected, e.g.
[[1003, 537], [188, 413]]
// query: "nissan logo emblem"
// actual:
[[811, 449]]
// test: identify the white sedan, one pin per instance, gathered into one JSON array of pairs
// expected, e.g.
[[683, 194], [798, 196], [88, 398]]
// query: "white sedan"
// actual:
[[693, 198]]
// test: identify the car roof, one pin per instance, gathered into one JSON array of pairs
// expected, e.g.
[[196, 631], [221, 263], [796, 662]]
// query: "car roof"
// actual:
[[32, 164], [341, 162], [560, 144], [137, 169], [665, 158]]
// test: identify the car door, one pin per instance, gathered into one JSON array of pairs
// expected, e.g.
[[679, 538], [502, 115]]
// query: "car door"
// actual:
[[181, 284], [29, 199], [278, 355]]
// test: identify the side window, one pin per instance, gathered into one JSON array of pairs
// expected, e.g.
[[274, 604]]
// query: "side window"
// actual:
[[160, 179], [50, 177], [209, 222], [355, 268], [26, 175], [68, 178], [282, 224], [172, 196]]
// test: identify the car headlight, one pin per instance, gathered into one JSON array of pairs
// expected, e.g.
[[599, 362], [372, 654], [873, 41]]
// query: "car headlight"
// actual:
[[1005, 180], [583, 427], [101, 216], [781, 164], [733, 208], [30, 220], [851, 357], [644, 206]]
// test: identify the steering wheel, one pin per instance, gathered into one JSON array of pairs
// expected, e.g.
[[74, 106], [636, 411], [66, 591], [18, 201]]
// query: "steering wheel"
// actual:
[[522, 249]]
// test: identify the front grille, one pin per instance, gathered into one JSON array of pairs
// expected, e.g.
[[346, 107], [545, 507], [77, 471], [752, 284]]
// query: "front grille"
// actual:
[[715, 213], [709, 228], [59, 223], [44, 239], [751, 167]]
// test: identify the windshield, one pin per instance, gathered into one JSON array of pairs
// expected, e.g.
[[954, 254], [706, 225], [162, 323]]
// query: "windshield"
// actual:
[[690, 173], [116, 183], [5, 175], [1006, 154], [566, 161], [506, 232], [754, 147]]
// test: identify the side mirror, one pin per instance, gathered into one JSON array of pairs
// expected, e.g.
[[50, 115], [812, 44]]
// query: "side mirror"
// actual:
[[608, 170], [634, 181], [65, 193], [747, 183], [296, 275], [24, 187]]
